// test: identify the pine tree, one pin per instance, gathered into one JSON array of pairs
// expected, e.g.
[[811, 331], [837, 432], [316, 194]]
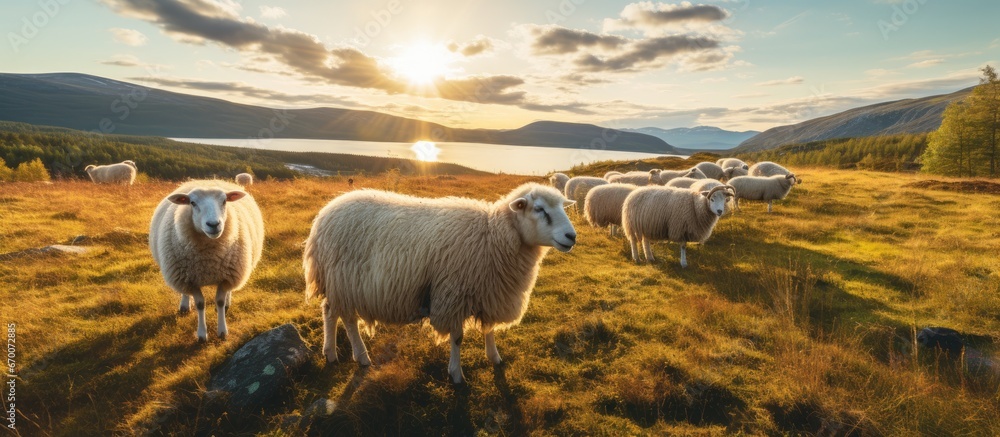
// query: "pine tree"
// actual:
[[32, 171]]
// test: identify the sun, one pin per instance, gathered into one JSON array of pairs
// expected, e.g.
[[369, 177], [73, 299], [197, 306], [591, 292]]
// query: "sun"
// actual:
[[426, 151], [422, 63]]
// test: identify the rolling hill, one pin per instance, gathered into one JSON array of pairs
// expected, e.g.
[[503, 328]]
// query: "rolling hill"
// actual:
[[91, 103], [908, 116], [699, 137]]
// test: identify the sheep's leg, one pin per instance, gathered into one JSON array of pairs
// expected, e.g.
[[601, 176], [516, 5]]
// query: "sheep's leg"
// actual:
[[222, 307], [329, 333], [612, 230], [455, 364], [185, 304], [648, 250], [199, 304], [358, 349], [635, 249], [769, 205], [684, 259], [491, 348]]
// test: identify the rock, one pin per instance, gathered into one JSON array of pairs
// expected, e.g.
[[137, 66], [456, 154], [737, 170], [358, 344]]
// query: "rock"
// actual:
[[947, 340], [47, 250], [322, 407], [259, 375]]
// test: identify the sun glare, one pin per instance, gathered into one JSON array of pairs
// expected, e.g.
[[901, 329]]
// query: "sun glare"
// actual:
[[426, 151], [422, 63]]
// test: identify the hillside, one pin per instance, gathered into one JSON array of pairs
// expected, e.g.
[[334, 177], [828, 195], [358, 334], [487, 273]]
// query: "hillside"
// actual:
[[699, 137], [91, 103], [909, 116]]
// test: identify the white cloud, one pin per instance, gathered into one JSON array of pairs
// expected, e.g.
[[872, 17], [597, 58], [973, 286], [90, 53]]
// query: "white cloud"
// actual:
[[794, 80], [926, 63], [272, 12], [129, 37]]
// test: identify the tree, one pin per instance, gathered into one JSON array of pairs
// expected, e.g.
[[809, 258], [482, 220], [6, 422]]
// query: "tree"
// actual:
[[985, 104], [6, 174], [968, 141], [33, 171]]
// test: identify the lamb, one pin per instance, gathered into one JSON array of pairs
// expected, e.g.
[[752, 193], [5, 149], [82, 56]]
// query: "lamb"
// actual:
[[603, 205], [769, 188], [121, 173], [733, 172], [711, 170], [767, 168], [640, 178], [679, 215], [668, 175], [558, 181], [611, 173], [578, 187], [244, 179], [731, 162], [207, 232], [381, 257]]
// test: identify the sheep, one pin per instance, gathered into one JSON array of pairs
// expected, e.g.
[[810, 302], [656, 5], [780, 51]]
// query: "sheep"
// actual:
[[207, 232], [769, 188], [603, 205], [577, 188], [684, 182], [611, 173], [733, 172], [382, 257], [121, 173], [768, 168], [130, 162], [558, 181], [668, 175], [711, 170], [731, 162], [640, 178], [244, 179], [674, 214]]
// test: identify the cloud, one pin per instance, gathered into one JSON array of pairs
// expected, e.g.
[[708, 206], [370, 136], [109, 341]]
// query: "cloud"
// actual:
[[794, 80], [129, 37], [130, 61], [272, 12], [554, 39], [480, 45], [246, 90], [926, 63], [646, 52], [653, 16], [202, 21]]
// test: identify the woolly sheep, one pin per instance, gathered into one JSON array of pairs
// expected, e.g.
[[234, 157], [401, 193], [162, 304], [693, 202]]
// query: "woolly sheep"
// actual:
[[769, 188], [674, 214], [668, 175], [207, 232], [383, 257], [244, 179], [121, 173], [640, 178], [711, 170], [767, 168], [733, 172], [578, 187], [731, 162], [603, 205], [611, 173], [684, 182], [558, 181]]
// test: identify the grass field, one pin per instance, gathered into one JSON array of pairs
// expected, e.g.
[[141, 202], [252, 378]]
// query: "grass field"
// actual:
[[800, 321]]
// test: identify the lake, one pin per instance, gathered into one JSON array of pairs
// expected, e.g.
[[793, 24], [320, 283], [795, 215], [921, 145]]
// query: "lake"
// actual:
[[526, 160]]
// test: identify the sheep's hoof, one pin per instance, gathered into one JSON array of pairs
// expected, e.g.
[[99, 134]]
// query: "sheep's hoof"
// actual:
[[364, 361], [202, 339], [223, 335], [331, 357], [183, 311], [458, 377]]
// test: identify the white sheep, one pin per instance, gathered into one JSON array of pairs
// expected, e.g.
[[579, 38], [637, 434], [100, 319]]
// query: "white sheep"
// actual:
[[767, 168], [731, 162], [667, 175], [640, 178], [769, 188], [121, 173], [684, 182], [732, 172], [383, 257], [207, 232], [611, 173], [578, 187], [711, 170], [603, 205], [244, 179], [674, 214], [558, 181]]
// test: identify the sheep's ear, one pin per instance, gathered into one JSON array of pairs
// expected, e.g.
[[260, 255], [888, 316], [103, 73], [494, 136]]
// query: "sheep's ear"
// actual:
[[568, 203], [233, 196], [180, 199], [705, 193], [519, 204]]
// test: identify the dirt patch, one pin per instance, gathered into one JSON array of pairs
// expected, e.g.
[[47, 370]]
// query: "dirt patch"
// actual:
[[974, 186]]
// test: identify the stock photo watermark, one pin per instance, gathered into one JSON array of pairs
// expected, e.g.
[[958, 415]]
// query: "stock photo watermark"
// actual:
[[901, 14], [10, 387], [380, 19], [31, 25]]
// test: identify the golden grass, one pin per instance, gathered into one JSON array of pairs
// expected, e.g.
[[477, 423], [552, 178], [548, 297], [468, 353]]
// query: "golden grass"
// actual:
[[797, 321]]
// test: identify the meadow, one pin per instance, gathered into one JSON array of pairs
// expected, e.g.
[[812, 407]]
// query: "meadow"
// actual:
[[802, 321]]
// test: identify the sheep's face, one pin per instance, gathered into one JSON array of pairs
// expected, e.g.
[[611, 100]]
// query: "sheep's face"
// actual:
[[208, 208], [542, 221], [716, 200]]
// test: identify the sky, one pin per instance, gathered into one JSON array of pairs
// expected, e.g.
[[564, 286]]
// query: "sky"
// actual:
[[736, 64]]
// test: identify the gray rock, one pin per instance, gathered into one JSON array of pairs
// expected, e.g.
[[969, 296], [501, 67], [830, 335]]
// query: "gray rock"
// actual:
[[322, 407], [47, 250], [260, 373]]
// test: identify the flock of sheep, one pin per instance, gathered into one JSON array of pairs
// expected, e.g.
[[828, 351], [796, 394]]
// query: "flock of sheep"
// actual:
[[681, 206], [382, 257]]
